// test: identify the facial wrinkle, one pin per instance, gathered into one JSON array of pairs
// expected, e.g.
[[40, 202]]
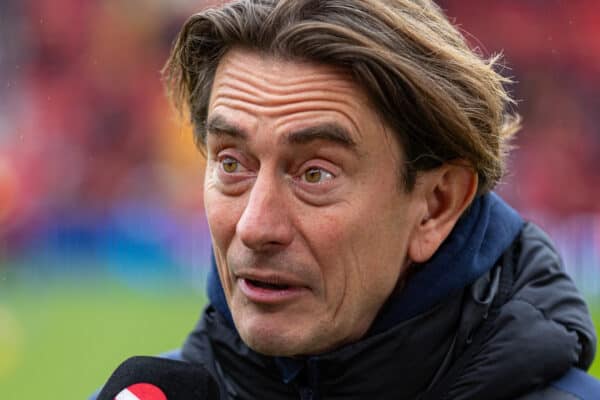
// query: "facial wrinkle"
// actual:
[[283, 83], [286, 97], [323, 114], [278, 94], [290, 113], [283, 90]]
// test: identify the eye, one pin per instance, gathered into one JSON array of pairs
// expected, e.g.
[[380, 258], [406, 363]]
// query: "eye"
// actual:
[[316, 175], [230, 165]]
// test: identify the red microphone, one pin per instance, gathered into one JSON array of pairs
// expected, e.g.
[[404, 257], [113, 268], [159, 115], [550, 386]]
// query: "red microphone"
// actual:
[[141, 391]]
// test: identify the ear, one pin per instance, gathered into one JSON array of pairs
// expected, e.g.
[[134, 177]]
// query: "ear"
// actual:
[[445, 193]]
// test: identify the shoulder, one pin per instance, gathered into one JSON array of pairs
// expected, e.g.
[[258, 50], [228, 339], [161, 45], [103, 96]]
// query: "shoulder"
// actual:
[[537, 308], [574, 385], [542, 285], [536, 250]]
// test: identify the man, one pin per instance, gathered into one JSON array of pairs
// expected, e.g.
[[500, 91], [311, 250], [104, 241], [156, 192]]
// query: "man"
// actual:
[[351, 148]]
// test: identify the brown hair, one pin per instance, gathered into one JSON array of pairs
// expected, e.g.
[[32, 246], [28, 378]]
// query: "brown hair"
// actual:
[[444, 101]]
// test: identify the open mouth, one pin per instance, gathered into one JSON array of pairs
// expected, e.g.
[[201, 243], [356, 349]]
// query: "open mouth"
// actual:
[[267, 285], [271, 290]]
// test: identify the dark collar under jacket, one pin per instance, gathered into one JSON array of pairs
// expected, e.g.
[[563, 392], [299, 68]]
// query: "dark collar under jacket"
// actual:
[[541, 331]]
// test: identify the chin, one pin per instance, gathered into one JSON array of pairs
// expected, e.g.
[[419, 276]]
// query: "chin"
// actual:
[[273, 339], [272, 343], [273, 349]]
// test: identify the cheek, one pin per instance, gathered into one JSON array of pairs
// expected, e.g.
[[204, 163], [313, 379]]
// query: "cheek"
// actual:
[[222, 224], [221, 216], [335, 241], [361, 254]]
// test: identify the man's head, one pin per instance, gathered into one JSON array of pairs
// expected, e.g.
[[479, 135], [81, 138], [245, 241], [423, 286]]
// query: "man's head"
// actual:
[[309, 112]]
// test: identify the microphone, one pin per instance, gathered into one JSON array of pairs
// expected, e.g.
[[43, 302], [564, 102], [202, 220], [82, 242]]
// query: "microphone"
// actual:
[[153, 378]]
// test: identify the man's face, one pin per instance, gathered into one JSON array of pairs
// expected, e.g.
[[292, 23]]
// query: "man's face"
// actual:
[[309, 224]]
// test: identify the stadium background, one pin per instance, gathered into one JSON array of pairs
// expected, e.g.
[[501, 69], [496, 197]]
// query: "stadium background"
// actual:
[[103, 242]]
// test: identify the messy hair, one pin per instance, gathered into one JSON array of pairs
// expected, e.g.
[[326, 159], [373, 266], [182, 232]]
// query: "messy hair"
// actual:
[[443, 101]]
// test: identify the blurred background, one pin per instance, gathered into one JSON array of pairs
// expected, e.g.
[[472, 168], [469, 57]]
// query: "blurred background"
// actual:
[[103, 241]]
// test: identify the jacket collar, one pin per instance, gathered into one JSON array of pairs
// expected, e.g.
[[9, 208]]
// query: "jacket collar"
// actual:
[[475, 244]]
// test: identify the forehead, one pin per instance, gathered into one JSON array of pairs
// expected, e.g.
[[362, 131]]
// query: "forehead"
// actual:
[[256, 85]]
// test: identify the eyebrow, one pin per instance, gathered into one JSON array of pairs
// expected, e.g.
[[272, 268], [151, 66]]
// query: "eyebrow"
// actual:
[[329, 132], [219, 126]]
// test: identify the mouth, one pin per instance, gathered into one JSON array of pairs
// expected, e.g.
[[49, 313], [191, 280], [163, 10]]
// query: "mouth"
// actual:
[[267, 285], [269, 290]]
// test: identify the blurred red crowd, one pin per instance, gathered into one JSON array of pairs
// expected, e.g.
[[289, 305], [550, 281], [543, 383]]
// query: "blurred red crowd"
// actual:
[[552, 50], [84, 123]]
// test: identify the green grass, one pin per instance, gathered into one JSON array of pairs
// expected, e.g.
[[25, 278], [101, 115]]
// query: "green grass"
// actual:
[[62, 340], [595, 310]]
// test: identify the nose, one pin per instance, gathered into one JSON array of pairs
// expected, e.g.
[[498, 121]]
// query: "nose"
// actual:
[[265, 223]]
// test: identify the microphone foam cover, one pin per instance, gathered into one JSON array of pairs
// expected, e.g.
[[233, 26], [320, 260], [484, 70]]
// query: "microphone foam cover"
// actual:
[[142, 376]]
